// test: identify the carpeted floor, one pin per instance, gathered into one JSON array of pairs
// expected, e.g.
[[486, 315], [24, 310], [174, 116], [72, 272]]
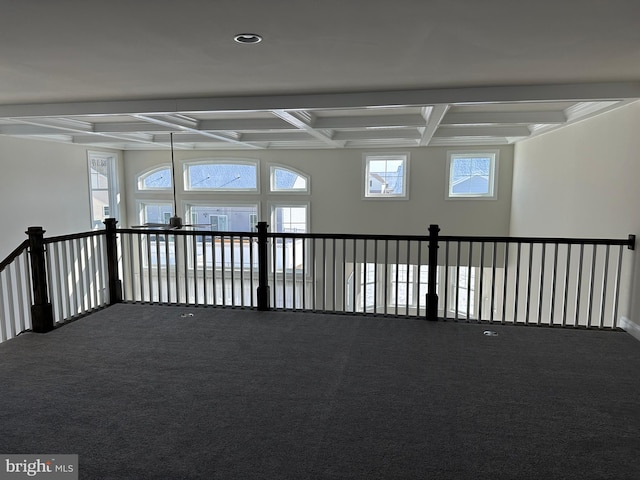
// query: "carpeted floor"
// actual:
[[143, 392]]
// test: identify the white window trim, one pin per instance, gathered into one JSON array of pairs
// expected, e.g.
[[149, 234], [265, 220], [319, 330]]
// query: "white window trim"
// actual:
[[272, 189], [139, 177], [493, 176], [275, 204], [113, 188], [380, 196], [228, 161]]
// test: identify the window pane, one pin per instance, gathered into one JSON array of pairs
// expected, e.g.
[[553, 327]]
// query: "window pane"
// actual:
[[471, 175], [283, 179], [156, 180], [157, 213], [386, 176], [239, 218], [290, 219], [223, 176], [102, 188]]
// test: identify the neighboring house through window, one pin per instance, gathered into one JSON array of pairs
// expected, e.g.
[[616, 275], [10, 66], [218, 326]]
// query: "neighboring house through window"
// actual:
[[386, 176], [472, 174]]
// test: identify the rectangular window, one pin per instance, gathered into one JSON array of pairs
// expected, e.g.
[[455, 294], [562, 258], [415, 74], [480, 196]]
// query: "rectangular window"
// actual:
[[386, 176], [290, 219], [224, 218], [472, 175], [155, 213], [102, 187]]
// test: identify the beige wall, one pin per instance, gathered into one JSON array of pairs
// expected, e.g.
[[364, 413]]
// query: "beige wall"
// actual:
[[582, 181], [41, 184], [336, 191]]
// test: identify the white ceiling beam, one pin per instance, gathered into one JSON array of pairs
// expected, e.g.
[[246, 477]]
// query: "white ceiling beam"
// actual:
[[129, 127], [22, 129], [504, 131], [73, 128], [489, 118], [399, 133], [433, 116], [489, 94], [276, 137], [245, 124], [181, 127], [178, 120], [470, 141], [364, 121], [306, 127], [89, 139], [185, 138]]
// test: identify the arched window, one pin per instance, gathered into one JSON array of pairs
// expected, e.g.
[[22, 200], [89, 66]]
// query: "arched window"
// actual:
[[222, 175], [156, 179], [287, 180]]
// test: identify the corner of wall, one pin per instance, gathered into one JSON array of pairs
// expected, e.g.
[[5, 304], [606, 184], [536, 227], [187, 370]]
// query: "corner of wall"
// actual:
[[630, 327]]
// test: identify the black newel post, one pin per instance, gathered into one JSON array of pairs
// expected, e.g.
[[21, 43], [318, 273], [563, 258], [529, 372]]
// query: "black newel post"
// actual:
[[432, 295], [263, 279], [115, 285], [41, 310]]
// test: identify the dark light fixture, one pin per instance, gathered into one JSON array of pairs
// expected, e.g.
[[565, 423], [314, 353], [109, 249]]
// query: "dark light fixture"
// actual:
[[248, 38]]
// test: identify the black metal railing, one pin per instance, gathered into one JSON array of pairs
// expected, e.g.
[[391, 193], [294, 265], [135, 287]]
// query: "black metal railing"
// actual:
[[533, 281]]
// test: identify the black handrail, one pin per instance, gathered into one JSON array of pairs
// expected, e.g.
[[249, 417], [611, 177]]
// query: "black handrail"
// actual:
[[74, 236], [13, 255], [628, 242]]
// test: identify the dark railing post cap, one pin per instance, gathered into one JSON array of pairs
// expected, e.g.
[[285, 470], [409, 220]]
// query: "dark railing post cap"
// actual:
[[35, 230]]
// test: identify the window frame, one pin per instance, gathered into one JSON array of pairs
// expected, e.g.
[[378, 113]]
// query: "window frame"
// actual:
[[140, 178], [367, 158], [291, 191], [493, 173], [112, 187], [273, 205], [188, 189]]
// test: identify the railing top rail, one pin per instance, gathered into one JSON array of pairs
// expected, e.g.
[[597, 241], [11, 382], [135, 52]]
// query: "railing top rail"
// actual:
[[628, 242], [73, 236], [168, 231], [13, 255], [348, 236]]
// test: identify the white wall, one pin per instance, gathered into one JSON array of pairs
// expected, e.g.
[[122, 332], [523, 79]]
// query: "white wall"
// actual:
[[336, 191], [41, 184], [582, 181]]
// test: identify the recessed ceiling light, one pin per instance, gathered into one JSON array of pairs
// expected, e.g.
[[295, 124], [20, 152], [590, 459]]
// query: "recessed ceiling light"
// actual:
[[248, 38]]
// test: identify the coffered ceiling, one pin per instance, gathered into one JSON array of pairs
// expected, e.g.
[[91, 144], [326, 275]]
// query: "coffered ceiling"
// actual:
[[329, 74]]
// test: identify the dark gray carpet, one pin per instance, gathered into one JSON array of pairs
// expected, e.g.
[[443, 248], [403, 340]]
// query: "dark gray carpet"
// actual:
[[141, 393]]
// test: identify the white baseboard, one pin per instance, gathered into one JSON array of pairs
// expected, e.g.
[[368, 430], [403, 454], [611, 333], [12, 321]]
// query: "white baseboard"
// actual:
[[631, 328]]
